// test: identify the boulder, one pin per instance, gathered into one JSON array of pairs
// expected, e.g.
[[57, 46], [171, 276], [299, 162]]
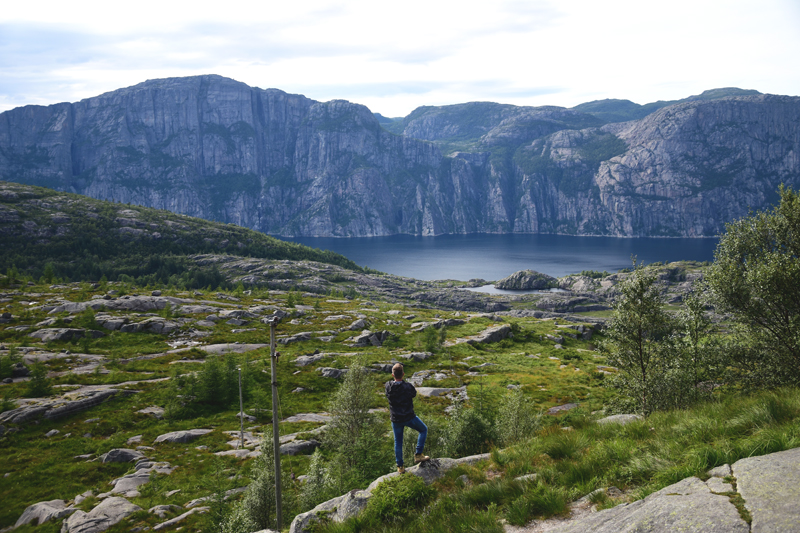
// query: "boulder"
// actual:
[[299, 447], [328, 372], [121, 455], [299, 337], [526, 280], [560, 408], [41, 512], [182, 436], [305, 360], [416, 356], [109, 512]]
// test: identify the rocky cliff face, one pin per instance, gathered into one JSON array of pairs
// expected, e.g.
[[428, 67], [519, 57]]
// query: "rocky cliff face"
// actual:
[[211, 147]]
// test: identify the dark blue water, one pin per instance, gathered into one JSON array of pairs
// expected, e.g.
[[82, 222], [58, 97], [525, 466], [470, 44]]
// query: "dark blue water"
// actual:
[[493, 257]]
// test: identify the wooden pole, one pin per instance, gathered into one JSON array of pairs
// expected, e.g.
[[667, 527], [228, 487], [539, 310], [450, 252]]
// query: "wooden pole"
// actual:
[[275, 433], [241, 413]]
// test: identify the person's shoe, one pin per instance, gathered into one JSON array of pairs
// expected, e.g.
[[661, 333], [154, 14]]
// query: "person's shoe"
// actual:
[[401, 470], [418, 458]]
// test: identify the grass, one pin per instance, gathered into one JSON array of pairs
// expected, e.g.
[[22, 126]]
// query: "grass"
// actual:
[[569, 464], [639, 459]]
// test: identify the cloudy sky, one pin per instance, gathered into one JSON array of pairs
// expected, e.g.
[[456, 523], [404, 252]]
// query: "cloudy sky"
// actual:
[[395, 57]]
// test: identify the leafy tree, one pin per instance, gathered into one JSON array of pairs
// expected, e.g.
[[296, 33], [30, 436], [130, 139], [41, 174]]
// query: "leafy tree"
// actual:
[[638, 340], [756, 278], [698, 343], [361, 451]]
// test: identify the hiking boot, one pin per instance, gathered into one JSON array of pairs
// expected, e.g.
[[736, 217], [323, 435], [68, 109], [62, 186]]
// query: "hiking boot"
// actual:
[[418, 458], [401, 470]]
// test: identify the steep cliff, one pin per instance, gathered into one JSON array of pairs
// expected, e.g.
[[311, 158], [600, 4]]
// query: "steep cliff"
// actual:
[[283, 164]]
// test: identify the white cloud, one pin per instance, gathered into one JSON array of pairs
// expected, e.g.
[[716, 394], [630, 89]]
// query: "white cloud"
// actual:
[[395, 57]]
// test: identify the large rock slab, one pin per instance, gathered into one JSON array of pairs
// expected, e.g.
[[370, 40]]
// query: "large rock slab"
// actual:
[[64, 334], [526, 280], [489, 335], [337, 510], [184, 436], [41, 512], [770, 487], [687, 506], [109, 512], [53, 408]]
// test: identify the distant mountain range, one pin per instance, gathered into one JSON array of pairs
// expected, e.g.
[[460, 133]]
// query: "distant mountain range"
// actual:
[[283, 164]]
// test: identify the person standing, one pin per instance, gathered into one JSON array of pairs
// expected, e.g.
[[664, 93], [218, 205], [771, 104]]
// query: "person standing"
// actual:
[[401, 410]]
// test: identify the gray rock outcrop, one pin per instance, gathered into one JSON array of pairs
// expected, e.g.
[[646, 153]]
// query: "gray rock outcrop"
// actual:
[[41, 512], [687, 506], [526, 280], [109, 512], [183, 436]]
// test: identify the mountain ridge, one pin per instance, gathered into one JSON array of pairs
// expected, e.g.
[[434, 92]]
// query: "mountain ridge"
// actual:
[[284, 164]]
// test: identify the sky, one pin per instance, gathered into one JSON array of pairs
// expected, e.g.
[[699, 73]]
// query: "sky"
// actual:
[[394, 57]]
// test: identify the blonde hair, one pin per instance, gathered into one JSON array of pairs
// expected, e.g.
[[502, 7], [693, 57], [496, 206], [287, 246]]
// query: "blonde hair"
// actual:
[[397, 371]]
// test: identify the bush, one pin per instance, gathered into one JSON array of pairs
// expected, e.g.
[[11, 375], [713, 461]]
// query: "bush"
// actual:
[[39, 385], [517, 419], [468, 432], [395, 497]]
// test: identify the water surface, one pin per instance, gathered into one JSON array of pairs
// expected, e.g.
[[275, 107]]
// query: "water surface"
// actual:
[[492, 257]]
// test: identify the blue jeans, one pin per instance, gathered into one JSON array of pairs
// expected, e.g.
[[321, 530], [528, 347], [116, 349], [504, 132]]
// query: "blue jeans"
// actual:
[[415, 424]]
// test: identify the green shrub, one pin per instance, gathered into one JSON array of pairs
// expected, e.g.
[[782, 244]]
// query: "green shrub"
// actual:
[[39, 384], [517, 419], [395, 497], [468, 432]]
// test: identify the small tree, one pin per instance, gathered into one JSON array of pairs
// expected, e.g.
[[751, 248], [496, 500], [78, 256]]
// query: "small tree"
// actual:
[[39, 384], [517, 418], [638, 337], [756, 277], [697, 343], [354, 435]]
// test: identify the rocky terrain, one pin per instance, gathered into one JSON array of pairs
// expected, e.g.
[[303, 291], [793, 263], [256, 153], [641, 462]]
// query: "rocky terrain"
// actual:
[[283, 164]]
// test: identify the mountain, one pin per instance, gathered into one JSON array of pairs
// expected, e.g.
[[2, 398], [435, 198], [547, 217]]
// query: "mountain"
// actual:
[[283, 164], [612, 110]]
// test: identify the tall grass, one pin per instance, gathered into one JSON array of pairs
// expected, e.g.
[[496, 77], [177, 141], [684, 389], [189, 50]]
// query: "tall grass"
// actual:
[[639, 458]]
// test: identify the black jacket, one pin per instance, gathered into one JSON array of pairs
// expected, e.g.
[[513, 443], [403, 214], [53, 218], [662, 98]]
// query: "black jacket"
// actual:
[[401, 400]]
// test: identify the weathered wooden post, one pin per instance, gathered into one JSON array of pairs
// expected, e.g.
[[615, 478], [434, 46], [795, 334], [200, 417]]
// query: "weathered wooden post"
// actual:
[[275, 432], [241, 413]]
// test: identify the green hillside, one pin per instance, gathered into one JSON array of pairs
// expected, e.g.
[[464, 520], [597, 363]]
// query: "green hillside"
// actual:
[[81, 238]]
